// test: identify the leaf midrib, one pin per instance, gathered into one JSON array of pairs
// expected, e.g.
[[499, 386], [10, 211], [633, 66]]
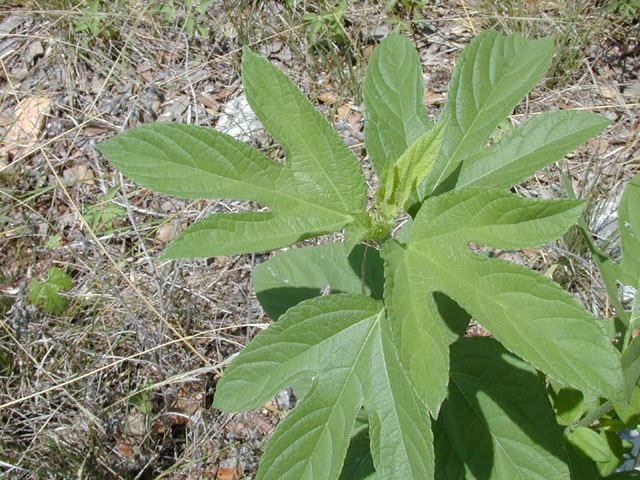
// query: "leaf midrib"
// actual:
[[279, 192], [307, 148], [488, 151], [404, 119], [461, 141], [312, 152], [352, 371], [442, 358], [391, 392]]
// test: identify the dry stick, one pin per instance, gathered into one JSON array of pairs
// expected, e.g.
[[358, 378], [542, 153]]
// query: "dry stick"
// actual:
[[11, 87], [466, 12], [44, 38], [156, 277], [118, 269], [633, 148], [11, 467], [74, 12], [141, 239], [193, 92]]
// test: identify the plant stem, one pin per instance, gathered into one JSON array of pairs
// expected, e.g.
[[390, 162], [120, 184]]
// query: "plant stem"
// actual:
[[595, 415]]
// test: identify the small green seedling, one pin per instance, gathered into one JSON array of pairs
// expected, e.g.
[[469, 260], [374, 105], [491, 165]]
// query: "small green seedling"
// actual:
[[627, 9], [388, 386], [100, 216], [47, 292], [402, 13], [91, 18], [142, 399], [95, 21], [167, 8], [328, 23]]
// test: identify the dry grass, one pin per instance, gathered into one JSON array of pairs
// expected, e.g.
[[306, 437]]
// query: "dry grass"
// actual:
[[120, 384]]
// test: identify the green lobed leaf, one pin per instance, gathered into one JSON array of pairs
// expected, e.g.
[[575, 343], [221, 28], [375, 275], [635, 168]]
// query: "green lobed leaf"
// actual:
[[47, 292], [497, 417], [296, 275], [536, 143], [491, 77], [236, 233], [527, 312], [393, 92], [399, 425], [342, 342], [318, 157], [319, 190]]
